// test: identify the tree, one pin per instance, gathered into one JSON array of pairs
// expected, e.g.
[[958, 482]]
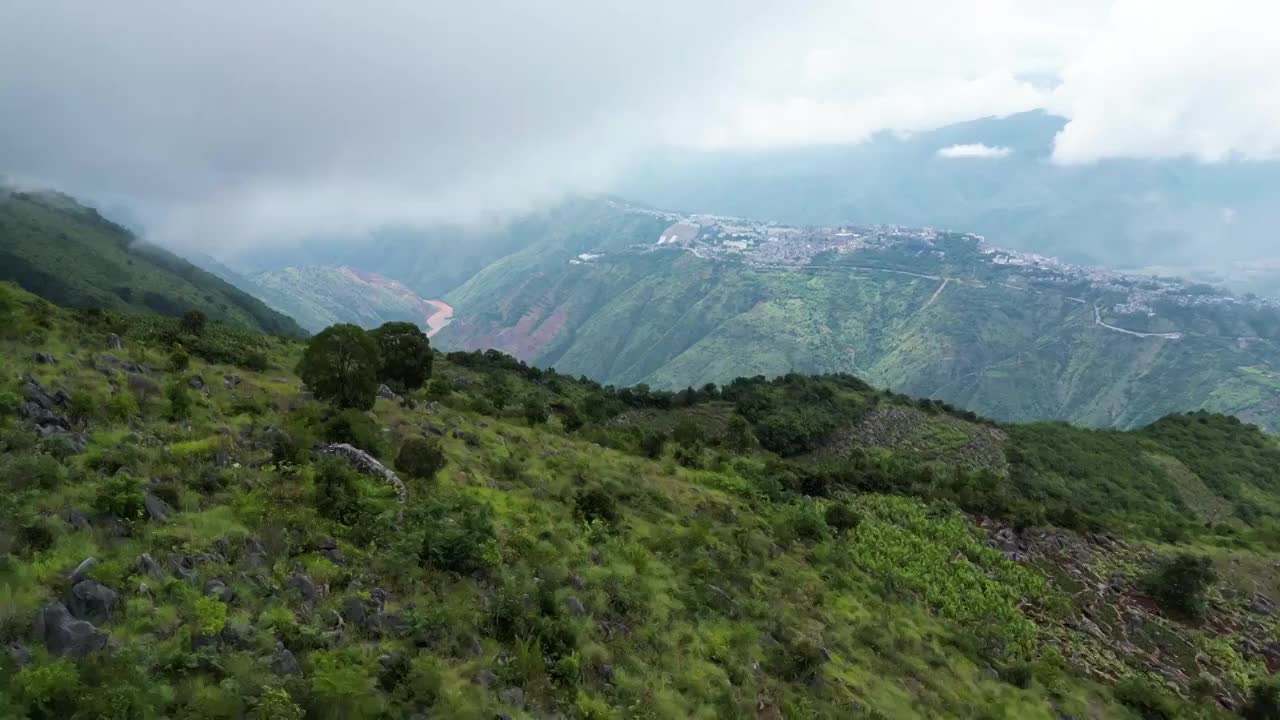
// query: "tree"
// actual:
[[341, 365], [1180, 584], [406, 354], [192, 323], [535, 412]]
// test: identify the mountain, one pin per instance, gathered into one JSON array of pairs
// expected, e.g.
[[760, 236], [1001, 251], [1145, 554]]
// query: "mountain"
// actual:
[[512, 541], [68, 253], [1118, 213], [320, 296], [673, 300]]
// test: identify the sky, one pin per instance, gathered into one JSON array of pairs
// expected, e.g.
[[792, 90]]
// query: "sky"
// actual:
[[231, 123]]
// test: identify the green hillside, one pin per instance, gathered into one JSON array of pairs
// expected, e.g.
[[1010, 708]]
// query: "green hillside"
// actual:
[[1014, 343], [68, 253], [320, 296], [806, 547]]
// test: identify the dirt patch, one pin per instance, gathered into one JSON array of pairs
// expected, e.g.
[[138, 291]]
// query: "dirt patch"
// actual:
[[920, 435]]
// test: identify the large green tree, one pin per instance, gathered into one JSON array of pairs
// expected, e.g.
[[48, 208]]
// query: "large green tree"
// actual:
[[406, 354], [341, 365]]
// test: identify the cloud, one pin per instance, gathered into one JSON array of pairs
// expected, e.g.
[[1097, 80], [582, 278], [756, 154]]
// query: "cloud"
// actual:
[[240, 122], [1184, 79], [974, 150]]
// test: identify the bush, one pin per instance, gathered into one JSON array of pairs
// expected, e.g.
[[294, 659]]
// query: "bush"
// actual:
[[192, 323], [274, 703], [841, 517], [179, 358], [22, 472], [122, 407], [342, 365], [456, 534], [1264, 702], [595, 504], [179, 399], [421, 458], [1149, 700], [337, 492], [1179, 585], [254, 360], [354, 428], [120, 496], [652, 444], [49, 690], [535, 412], [688, 433]]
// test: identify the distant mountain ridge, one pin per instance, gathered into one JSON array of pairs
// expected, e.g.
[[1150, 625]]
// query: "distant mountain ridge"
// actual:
[[672, 300], [68, 253]]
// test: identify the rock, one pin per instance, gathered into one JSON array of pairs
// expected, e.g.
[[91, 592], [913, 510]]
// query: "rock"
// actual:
[[218, 589], [303, 585], [230, 381], [354, 612], [379, 598], [146, 565], [157, 509], [82, 570], [75, 519], [512, 696], [254, 554], [19, 654], [44, 358], [284, 662], [114, 342], [574, 606], [134, 368], [1262, 605], [184, 568], [64, 636], [91, 600], [195, 382], [387, 393], [486, 678], [367, 464], [606, 673]]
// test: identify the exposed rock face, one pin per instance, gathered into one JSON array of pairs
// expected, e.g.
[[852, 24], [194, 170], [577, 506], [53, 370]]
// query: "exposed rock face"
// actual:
[[44, 358], [114, 342], [91, 600], [387, 393], [64, 636], [218, 589], [367, 464], [304, 586], [82, 570], [284, 662]]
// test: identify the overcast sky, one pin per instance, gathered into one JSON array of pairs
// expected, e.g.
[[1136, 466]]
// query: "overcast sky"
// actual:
[[234, 122]]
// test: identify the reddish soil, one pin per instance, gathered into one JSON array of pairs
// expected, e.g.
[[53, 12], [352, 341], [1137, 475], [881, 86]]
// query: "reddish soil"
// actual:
[[439, 315]]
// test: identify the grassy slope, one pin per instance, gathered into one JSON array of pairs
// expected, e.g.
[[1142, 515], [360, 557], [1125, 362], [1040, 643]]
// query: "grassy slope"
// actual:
[[71, 255], [710, 591], [672, 320], [320, 296]]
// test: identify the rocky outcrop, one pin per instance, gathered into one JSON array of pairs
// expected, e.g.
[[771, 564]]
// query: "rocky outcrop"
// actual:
[[65, 636], [91, 600], [367, 464]]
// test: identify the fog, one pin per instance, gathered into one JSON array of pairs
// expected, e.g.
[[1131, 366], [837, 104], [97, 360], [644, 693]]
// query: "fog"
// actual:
[[232, 123]]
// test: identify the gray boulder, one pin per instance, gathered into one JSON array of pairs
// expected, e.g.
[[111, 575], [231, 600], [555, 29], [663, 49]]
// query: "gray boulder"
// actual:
[[65, 636], [218, 589], [114, 342], [574, 606], [82, 570], [284, 663], [157, 509], [354, 611], [366, 464], [196, 382], [146, 565], [91, 600], [486, 678], [387, 393], [512, 696], [19, 654], [304, 587], [184, 568], [44, 358]]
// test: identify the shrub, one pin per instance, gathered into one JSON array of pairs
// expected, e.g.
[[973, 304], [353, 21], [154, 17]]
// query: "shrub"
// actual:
[[192, 323], [274, 703], [535, 412], [354, 428], [841, 517], [342, 365], [421, 457], [1179, 585], [337, 492], [179, 399], [254, 360], [595, 504], [1149, 700], [120, 496], [179, 358], [49, 689], [1264, 702], [688, 433], [457, 534], [406, 354], [652, 443], [122, 407], [20, 472]]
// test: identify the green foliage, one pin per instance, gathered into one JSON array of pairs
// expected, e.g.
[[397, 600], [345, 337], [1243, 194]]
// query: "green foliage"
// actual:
[[192, 323], [49, 690], [120, 496], [421, 457], [354, 428], [841, 517], [1148, 699], [406, 354], [122, 407], [1180, 583], [179, 358], [179, 396], [341, 365], [534, 410], [274, 703], [1264, 702], [595, 504], [338, 495], [341, 689], [452, 532], [210, 616]]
